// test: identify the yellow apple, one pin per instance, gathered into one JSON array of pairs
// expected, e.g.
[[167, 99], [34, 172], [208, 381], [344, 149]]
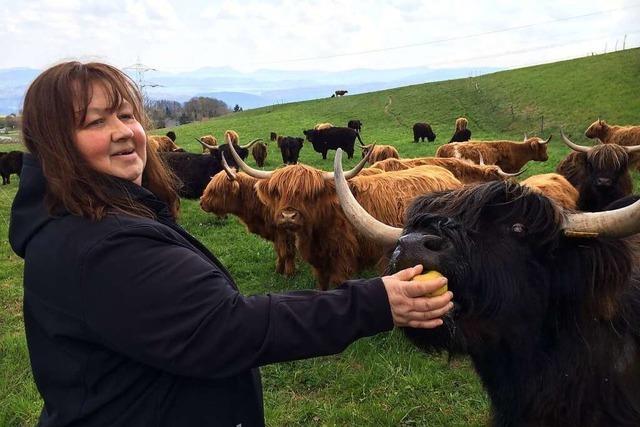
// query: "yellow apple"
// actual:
[[430, 275]]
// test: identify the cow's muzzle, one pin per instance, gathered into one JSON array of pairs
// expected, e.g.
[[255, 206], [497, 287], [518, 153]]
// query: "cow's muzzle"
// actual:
[[289, 218]]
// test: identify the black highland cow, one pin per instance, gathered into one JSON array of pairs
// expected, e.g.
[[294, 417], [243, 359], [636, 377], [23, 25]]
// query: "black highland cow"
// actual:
[[547, 303], [355, 124], [332, 138], [290, 147], [10, 162], [461, 135], [599, 173], [422, 131]]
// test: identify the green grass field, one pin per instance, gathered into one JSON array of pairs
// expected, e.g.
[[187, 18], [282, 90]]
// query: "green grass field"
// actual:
[[381, 380]]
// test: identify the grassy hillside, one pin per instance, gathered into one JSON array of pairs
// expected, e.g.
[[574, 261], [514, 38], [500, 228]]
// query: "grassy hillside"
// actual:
[[380, 380]]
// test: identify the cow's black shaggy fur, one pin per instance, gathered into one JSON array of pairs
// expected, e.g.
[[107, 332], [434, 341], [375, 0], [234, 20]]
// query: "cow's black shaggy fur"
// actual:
[[461, 135], [601, 175], [332, 138], [551, 323]]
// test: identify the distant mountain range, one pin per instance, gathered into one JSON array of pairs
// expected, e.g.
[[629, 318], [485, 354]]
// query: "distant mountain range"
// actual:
[[251, 90]]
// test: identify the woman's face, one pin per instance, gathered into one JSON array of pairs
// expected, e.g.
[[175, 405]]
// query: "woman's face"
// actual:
[[112, 142]]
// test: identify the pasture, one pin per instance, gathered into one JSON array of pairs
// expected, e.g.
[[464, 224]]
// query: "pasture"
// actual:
[[380, 380]]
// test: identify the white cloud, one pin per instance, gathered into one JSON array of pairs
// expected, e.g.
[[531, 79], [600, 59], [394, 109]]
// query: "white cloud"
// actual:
[[334, 34]]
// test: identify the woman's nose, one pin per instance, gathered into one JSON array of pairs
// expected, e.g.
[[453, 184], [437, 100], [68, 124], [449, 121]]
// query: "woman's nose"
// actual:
[[121, 131]]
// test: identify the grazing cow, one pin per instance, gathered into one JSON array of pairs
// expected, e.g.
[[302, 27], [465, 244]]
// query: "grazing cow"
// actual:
[[290, 147], [10, 162], [195, 170], [234, 193], [259, 153], [614, 134], [599, 173], [555, 187], [340, 93], [422, 131], [273, 136], [547, 302], [379, 152], [207, 140], [162, 144], [172, 135], [355, 125], [464, 170], [511, 156], [332, 138], [303, 201], [462, 133]]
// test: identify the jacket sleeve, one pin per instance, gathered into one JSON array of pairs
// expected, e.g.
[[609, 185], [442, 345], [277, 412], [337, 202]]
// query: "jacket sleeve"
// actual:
[[163, 304]]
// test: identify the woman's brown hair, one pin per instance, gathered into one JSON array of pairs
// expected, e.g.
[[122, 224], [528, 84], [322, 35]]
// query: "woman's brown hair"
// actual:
[[54, 106]]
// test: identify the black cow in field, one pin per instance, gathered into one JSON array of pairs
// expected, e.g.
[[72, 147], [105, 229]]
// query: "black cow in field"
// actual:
[[422, 131], [552, 329], [193, 170], [273, 136], [290, 147], [10, 162], [599, 173], [332, 138], [461, 135], [355, 125]]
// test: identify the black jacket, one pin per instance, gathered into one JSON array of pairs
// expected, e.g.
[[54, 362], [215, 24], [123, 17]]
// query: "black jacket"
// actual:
[[133, 322]]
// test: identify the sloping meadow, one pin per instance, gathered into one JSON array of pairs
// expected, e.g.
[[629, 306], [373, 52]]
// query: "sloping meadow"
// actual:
[[380, 380]]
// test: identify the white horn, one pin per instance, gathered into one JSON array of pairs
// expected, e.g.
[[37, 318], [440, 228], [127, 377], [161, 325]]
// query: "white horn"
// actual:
[[616, 223], [573, 145], [366, 224]]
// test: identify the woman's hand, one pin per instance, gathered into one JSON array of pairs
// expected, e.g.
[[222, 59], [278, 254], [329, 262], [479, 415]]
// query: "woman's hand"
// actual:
[[410, 304]]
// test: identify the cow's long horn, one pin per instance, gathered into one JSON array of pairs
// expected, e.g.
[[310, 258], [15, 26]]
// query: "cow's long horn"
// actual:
[[246, 168], [367, 225], [631, 148], [546, 141], [248, 145], [481, 160], [231, 174], [616, 223], [330, 176], [573, 145], [510, 175], [205, 145], [525, 137]]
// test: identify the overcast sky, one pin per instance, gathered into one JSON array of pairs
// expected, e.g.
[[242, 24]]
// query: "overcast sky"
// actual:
[[172, 35]]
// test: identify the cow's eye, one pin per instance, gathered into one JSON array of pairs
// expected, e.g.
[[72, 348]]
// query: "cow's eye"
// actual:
[[518, 228]]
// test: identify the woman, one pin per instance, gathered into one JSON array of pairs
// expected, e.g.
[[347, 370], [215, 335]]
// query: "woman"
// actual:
[[129, 319]]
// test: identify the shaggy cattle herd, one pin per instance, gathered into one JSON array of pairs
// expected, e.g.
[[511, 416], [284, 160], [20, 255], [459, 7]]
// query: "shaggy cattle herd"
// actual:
[[545, 272]]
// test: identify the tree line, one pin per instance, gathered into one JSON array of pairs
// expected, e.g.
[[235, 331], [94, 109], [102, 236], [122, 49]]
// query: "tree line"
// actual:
[[193, 110]]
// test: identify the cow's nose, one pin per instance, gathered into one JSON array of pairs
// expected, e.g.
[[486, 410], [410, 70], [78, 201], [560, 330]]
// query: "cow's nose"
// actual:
[[603, 182], [289, 215], [417, 241]]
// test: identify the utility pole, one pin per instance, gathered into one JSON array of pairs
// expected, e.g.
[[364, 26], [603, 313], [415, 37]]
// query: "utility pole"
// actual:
[[140, 69], [624, 41]]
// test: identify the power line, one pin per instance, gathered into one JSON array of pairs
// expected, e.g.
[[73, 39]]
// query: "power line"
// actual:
[[445, 40], [519, 51]]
